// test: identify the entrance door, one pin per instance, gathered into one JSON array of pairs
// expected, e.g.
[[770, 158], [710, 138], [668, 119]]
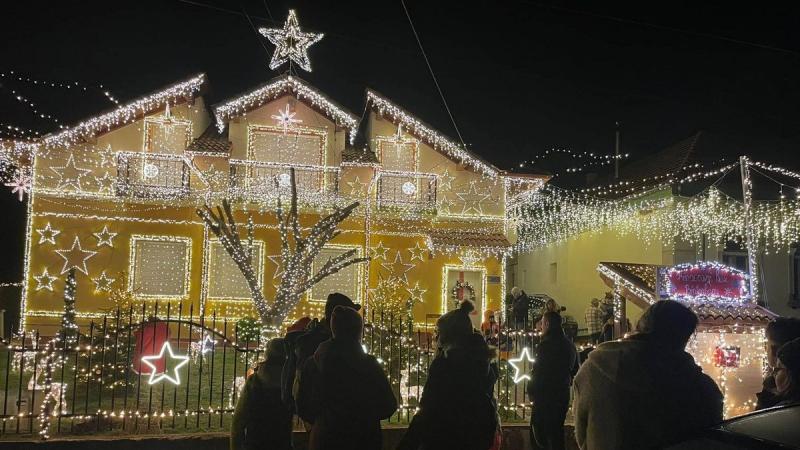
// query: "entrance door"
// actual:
[[465, 284]]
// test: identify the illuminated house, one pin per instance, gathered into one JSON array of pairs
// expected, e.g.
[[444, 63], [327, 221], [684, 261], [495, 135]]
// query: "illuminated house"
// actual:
[[115, 196], [729, 343]]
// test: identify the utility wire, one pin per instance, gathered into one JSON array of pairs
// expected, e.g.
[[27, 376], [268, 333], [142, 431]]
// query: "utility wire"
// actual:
[[430, 70]]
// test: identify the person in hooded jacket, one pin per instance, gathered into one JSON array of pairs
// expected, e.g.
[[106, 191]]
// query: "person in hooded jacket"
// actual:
[[344, 393], [261, 419], [645, 391], [457, 409], [555, 363]]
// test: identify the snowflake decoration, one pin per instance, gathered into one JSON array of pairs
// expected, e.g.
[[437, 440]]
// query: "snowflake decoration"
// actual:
[[47, 234], [290, 43], [44, 281], [409, 188], [21, 185], [286, 120]]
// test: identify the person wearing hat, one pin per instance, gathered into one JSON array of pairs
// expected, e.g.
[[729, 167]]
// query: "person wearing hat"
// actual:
[[787, 374], [344, 393], [304, 345], [594, 321], [457, 408], [261, 419]]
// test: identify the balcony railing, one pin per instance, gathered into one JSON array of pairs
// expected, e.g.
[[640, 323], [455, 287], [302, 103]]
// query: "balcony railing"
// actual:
[[263, 179], [405, 190], [151, 175]]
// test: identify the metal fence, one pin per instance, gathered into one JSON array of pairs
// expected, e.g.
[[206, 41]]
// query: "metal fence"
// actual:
[[99, 382]]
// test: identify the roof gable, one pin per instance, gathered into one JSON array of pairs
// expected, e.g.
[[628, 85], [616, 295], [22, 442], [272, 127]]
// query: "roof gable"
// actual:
[[278, 87], [130, 112], [427, 134]]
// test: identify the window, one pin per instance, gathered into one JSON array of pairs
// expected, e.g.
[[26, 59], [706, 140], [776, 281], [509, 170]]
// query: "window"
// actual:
[[304, 146], [225, 280], [160, 266], [397, 155], [345, 281], [166, 136]]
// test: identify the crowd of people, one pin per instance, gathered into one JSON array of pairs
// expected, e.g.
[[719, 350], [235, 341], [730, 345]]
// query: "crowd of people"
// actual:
[[643, 391]]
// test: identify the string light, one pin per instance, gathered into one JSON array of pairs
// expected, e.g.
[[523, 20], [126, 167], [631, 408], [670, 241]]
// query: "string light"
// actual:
[[290, 43]]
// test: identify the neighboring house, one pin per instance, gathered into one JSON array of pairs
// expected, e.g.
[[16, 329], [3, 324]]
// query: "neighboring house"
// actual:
[[115, 196], [567, 270]]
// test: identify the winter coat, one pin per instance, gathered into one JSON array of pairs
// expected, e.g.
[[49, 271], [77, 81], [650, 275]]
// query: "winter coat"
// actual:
[[344, 394], [262, 420], [457, 409], [555, 363], [632, 394], [521, 305], [767, 398], [304, 348]]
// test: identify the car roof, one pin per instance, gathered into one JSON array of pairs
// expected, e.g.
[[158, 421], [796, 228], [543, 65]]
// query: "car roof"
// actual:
[[776, 425]]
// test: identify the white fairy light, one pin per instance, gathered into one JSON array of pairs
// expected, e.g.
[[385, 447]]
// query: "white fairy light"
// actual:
[[175, 378], [518, 364], [75, 257], [48, 234], [105, 237], [21, 185], [44, 281], [290, 43]]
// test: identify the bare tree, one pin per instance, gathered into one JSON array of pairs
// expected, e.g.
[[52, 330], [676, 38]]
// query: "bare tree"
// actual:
[[297, 252]]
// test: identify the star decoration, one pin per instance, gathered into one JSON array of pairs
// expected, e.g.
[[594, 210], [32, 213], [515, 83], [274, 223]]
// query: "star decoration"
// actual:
[[399, 141], [445, 180], [207, 345], [357, 188], [398, 268], [107, 157], [106, 182], [276, 259], [417, 252], [105, 237], [103, 282], [21, 185], [380, 251], [285, 119], [416, 293], [445, 204], [44, 281], [290, 43], [75, 257], [69, 174], [47, 234], [519, 365], [472, 199], [155, 378]]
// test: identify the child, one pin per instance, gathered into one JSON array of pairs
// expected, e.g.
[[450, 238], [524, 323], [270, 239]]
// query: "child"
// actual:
[[262, 420]]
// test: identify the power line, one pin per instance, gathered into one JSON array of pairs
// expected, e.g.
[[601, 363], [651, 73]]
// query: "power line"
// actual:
[[430, 70]]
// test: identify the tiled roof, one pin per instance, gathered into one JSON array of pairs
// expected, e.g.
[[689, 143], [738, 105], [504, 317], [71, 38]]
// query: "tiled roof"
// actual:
[[355, 155], [444, 238], [211, 142]]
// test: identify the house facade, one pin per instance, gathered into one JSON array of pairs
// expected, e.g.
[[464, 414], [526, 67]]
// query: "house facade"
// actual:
[[115, 197]]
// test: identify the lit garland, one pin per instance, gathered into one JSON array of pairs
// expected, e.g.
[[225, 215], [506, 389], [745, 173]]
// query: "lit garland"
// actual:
[[273, 90]]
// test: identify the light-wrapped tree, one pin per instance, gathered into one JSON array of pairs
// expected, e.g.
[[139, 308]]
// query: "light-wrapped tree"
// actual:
[[297, 252]]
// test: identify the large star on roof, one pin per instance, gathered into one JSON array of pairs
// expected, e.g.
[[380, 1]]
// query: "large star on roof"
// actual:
[[290, 43]]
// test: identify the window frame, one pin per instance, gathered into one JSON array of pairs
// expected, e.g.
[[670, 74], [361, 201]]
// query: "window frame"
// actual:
[[134, 240]]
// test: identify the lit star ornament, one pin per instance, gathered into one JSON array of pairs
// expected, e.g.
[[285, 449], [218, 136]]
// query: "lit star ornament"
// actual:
[[472, 199], [75, 257], [21, 185], [175, 378], [290, 43], [416, 293], [518, 365], [285, 119], [69, 174], [417, 252], [103, 282], [47, 234], [105, 237], [44, 281], [380, 251], [398, 268]]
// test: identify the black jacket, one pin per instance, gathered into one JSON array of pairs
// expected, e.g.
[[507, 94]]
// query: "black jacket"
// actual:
[[262, 420], [457, 409], [555, 363], [344, 394]]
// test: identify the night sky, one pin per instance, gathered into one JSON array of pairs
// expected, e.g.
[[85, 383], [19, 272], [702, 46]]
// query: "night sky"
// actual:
[[520, 77]]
